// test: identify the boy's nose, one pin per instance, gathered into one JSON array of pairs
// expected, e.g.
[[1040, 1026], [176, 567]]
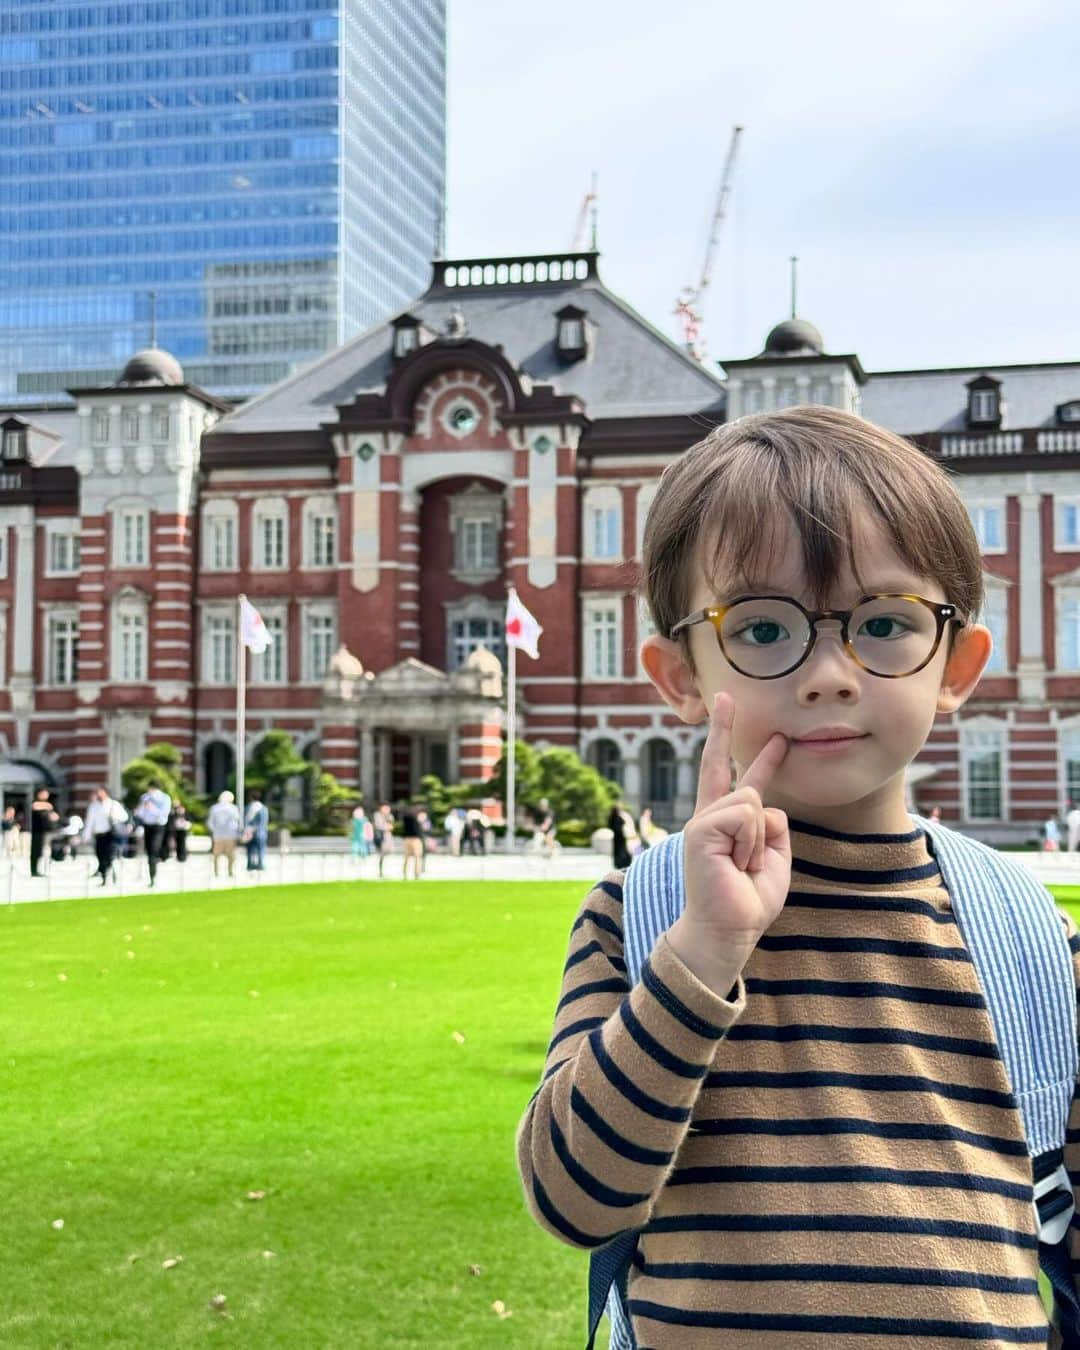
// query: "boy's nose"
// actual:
[[829, 669]]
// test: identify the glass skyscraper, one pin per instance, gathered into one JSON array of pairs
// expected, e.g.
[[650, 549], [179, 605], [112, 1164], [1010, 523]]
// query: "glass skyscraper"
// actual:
[[252, 180]]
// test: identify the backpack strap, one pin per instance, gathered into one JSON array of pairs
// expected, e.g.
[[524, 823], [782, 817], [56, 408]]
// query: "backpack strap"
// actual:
[[653, 898], [1017, 942]]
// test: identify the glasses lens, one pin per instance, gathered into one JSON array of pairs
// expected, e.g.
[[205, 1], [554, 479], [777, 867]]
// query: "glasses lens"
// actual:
[[892, 636], [764, 637]]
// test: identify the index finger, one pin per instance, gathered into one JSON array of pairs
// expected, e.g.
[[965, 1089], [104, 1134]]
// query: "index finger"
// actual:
[[714, 775], [770, 757]]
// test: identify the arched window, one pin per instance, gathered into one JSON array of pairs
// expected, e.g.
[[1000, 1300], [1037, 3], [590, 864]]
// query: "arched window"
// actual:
[[219, 762], [270, 535], [129, 638], [605, 757], [659, 772], [219, 526], [602, 524], [320, 532], [130, 534]]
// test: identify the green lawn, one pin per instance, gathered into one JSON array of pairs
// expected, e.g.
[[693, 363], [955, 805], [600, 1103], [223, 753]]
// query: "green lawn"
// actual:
[[298, 1041]]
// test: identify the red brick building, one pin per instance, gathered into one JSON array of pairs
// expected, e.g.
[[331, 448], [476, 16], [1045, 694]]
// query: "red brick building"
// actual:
[[509, 428]]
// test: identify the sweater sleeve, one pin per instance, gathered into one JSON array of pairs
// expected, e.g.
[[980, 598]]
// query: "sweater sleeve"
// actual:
[[624, 1068], [1072, 1131]]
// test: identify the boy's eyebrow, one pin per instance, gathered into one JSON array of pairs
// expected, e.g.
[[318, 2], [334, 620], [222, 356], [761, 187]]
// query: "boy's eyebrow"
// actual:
[[747, 586]]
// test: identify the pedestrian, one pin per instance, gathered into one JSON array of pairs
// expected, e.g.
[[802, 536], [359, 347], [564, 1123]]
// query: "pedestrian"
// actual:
[[10, 827], [738, 1079], [43, 820], [453, 828], [105, 817], [412, 833], [362, 834], [223, 822], [1072, 826], [618, 818], [544, 827], [382, 823], [474, 841], [256, 831], [180, 828], [1051, 835], [935, 814], [152, 813]]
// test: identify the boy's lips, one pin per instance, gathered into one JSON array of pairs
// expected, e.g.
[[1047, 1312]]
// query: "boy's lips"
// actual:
[[829, 740]]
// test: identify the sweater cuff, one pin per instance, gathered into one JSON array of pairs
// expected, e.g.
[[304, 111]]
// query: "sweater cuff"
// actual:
[[719, 1014]]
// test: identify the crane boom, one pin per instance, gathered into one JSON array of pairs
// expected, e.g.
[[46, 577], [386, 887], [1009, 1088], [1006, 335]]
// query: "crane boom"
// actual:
[[688, 306]]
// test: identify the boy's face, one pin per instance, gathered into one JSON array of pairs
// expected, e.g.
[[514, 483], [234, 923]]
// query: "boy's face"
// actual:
[[859, 785]]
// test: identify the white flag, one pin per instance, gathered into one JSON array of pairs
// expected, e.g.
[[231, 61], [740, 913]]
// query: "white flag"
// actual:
[[253, 632], [522, 630]]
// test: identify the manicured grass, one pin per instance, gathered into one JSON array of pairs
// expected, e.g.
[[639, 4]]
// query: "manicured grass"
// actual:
[[298, 1041]]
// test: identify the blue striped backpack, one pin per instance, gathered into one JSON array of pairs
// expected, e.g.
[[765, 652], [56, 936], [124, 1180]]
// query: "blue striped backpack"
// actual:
[[1018, 945]]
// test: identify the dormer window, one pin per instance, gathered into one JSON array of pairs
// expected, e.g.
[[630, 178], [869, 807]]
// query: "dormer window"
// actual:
[[406, 336], [1068, 414], [984, 403], [570, 333], [14, 439]]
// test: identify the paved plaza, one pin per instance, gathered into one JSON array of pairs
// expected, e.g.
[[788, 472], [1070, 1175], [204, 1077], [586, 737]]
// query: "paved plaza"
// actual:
[[325, 861], [72, 880]]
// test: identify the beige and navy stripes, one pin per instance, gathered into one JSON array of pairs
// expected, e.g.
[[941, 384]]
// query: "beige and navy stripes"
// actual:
[[830, 1157]]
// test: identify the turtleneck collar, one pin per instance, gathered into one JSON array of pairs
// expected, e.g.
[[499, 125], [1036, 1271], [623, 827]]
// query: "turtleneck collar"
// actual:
[[850, 861]]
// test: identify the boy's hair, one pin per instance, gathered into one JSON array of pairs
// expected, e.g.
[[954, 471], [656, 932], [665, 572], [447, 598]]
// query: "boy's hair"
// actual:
[[821, 467]]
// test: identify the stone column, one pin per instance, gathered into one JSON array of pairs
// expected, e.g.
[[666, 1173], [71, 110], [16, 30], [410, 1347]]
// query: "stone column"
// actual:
[[685, 789], [1031, 669], [368, 786]]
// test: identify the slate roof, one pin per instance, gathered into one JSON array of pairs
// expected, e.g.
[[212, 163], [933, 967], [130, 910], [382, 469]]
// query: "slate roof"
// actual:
[[632, 369], [911, 401]]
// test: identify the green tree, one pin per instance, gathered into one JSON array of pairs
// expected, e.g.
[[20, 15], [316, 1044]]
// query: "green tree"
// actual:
[[330, 800], [574, 789], [438, 797], [273, 762], [161, 762]]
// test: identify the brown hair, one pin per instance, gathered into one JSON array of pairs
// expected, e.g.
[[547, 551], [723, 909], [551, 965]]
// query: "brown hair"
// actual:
[[821, 467]]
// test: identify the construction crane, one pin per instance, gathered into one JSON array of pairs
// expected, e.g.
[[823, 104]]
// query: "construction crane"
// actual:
[[585, 214], [689, 305]]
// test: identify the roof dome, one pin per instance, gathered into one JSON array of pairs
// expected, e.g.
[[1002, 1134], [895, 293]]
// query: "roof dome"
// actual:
[[794, 337], [152, 365]]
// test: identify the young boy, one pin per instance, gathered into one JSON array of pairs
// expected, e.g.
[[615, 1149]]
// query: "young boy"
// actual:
[[801, 1102]]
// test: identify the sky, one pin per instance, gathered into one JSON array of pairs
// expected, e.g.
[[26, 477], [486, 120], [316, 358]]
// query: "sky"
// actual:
[[922, 161]]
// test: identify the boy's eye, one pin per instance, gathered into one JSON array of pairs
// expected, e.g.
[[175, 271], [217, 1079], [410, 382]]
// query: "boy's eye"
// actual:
[[761, 632], [884, 627]]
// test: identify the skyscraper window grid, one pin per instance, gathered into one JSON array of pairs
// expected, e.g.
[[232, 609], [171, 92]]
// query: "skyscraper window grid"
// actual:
[[258, 180]]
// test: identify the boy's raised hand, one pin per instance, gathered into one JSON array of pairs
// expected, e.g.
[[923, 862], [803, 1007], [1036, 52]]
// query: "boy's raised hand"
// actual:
[[737, 858]]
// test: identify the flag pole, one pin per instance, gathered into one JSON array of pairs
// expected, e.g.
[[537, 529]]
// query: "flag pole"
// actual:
[[511, 738], [241, 710]]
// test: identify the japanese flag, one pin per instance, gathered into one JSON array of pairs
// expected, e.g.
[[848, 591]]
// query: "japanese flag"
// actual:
[[522, 630], [253, 632]]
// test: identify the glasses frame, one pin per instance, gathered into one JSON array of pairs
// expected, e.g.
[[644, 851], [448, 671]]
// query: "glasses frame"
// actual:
[[944, 614]]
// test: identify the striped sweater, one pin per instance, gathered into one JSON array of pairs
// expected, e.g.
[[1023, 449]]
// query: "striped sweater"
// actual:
[[829, 1157]]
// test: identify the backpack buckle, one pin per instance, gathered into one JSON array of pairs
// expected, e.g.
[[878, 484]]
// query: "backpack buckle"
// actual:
[[1054, 1206]]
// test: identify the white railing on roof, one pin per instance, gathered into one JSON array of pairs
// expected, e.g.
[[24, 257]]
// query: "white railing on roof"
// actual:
[[993, 443], [522, 272], [1049, 441]]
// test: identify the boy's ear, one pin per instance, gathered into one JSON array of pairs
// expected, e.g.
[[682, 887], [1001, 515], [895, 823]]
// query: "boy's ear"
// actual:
[[964, 668], [666, 665]]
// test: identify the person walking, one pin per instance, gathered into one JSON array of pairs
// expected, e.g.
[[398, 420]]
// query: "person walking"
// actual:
[[453, 828], [1072, 826], [152, 813], [473, 842], [256, 831], [412, 832], [383, 832], [617, 821], [223, 822], [363, 834], [180, 827], [104, 817], [43, 820], [9, 824], [1051, 835]]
